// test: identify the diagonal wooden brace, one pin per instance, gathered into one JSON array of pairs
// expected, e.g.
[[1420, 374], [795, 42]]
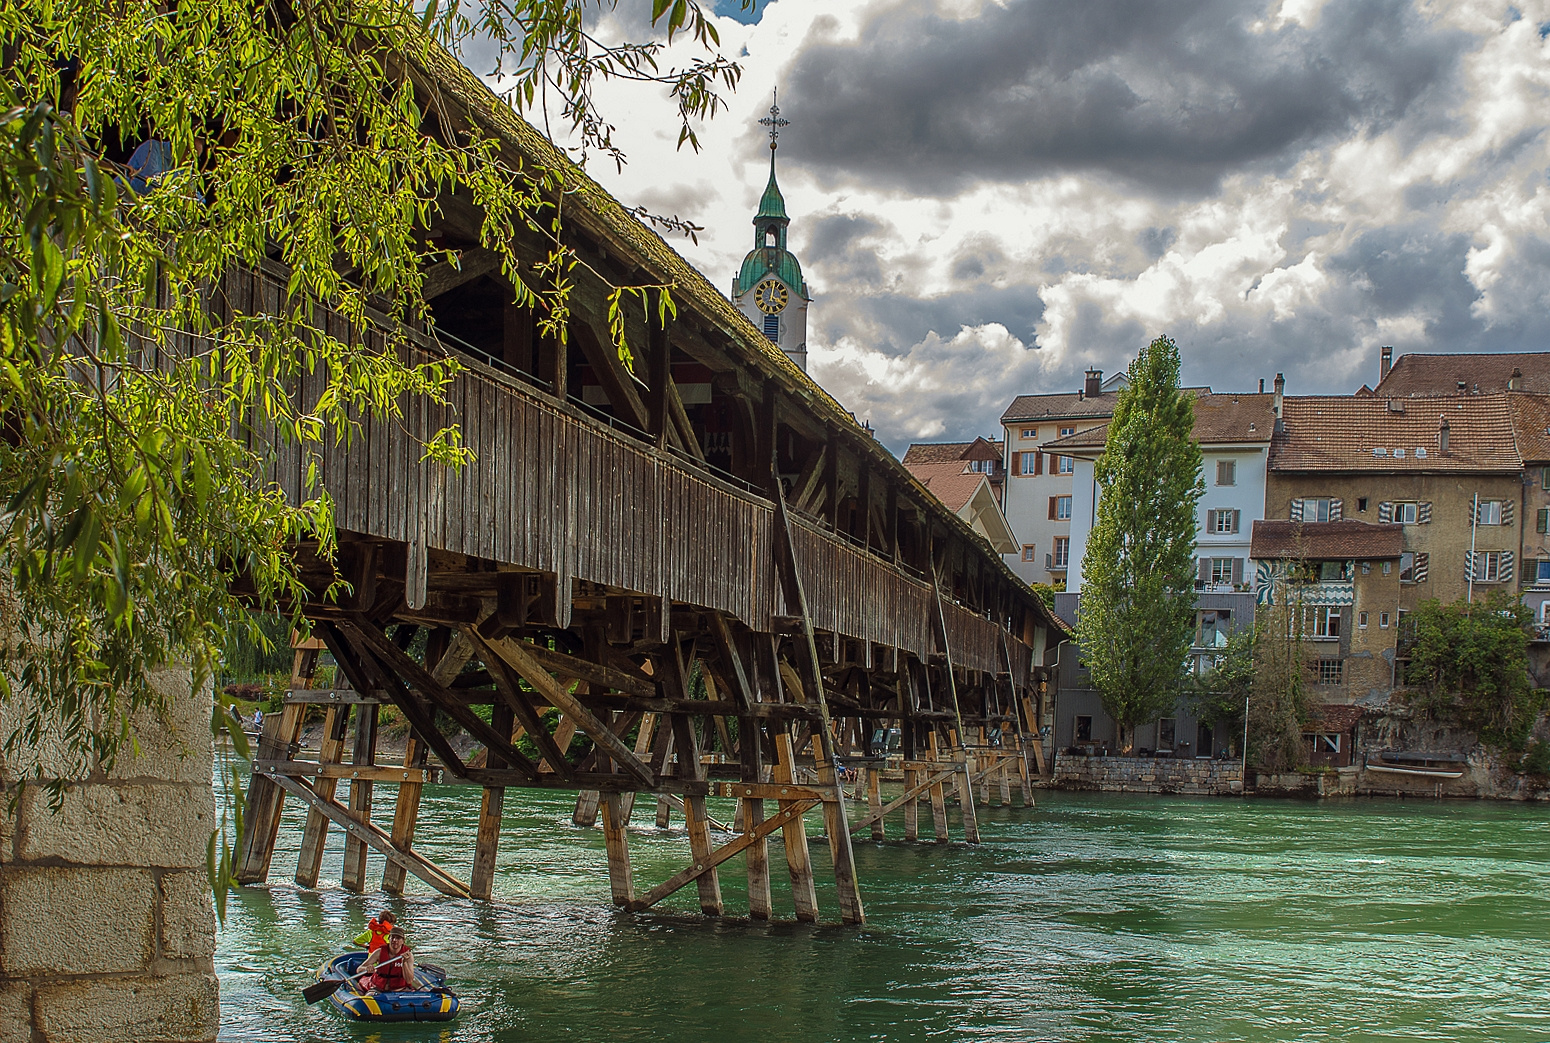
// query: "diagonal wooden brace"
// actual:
[[796, 809], [909, 795]]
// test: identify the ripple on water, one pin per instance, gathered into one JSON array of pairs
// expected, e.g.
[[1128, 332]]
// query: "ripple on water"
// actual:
[[1089, 919]]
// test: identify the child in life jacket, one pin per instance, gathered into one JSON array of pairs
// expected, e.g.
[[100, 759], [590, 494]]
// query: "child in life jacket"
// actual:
[[390, 968], [375, 935]]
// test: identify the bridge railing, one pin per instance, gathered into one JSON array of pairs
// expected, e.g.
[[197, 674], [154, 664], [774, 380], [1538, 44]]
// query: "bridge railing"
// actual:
[[552, 488]]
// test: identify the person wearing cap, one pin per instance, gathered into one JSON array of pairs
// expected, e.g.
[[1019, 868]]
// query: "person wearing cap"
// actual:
[[390, 968]]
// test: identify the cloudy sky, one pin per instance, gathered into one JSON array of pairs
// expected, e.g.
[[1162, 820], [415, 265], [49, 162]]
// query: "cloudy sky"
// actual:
[[989, 196]]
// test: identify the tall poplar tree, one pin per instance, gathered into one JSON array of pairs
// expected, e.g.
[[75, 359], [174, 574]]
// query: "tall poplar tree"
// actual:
[[1137, 612]]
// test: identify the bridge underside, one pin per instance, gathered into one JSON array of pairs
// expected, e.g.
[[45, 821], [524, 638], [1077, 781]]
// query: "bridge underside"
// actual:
[[635, 695]]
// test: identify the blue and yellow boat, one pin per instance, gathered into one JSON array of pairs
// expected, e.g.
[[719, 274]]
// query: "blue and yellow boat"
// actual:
[[432, 1002]]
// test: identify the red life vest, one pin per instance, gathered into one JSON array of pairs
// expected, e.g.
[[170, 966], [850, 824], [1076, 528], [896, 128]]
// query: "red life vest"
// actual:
[[391, 978], [378, 933]]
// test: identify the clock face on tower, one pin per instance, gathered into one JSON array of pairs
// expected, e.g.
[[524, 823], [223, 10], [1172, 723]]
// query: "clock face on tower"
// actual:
[[770, 296]]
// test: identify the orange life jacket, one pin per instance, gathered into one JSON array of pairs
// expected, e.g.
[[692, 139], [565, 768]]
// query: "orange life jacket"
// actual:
[[378, 933]]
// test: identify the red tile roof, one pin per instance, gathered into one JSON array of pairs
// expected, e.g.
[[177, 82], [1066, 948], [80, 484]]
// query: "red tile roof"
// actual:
[[947, 481], [1325, 541], [1480, 373], [1531, 426], [939, 452], [1334, 717], [1074, 405], [1224, 419], [1397, 435]]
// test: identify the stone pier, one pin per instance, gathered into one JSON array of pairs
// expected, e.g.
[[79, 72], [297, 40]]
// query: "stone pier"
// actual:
[[107, 930], [1149, 775]]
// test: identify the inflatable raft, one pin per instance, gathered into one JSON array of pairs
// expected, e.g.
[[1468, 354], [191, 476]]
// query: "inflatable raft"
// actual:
[[432, 1002]]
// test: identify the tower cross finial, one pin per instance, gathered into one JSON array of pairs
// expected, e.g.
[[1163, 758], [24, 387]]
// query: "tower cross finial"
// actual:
[[773, 120]]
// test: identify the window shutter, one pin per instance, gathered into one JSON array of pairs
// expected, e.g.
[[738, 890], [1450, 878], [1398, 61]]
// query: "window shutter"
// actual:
[[1052, 508], [1237, 571], [1203, 570], [1421, 568], [1469, 565], [1385, 513], [1038, 463], [1544, 520], [1237, 520], [1210, 521], [1334, 509], [1296, 512], [1507, 564], [1423, 513], [1508, 511]]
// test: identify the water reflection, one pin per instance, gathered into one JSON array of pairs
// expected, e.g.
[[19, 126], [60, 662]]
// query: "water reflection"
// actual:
[[1091, 918]]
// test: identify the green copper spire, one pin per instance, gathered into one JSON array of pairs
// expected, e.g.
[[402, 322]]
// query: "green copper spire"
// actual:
[[772, 205], [769, 255]]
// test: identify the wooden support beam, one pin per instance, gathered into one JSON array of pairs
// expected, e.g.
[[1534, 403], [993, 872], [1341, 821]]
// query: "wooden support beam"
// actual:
[[680, 418], [517, 702], [755, 834], [325, 772], [309, 865], [487, 839], [364, 753], [406, 812], [596, 674], [875, 800], [912, 792], [804, 896], [531, 671], [371, 835], [938, 796], [266, 801], [726, 645], [444, 277], [617, 382], [616, 821]]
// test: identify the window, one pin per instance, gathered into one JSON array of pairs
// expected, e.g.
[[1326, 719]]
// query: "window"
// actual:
[[1542, 572], [1329, 671], [1028, 552], [1064, 431], [1221, 570], [1167, 733], [1383, 620], [1062, 551], [1084, 728], [1323, 742], [1388, 566], [1211, 628], [1064, 465], [1405, 513], [1407, 567], [1062, 508], [1488, 566], [1326, 621], [1361, 504], [1227, 472], [770, 238], [772, 328], [1316, 510], [1361, 620], [1490, 512], [1030, 432], [1543, 523], [1027, 463], [1224, 521], [1334, 571], [982, 466]]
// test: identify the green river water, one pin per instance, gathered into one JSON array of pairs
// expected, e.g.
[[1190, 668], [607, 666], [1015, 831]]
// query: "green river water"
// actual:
[[1089, 918]]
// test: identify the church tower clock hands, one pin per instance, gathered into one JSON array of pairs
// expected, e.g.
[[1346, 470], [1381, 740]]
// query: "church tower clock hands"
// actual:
[[769, 287]]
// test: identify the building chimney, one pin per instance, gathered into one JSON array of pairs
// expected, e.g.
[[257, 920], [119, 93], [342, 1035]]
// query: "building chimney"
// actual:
[[1261, 385], [1385, 361], [1442, 436], [1094, 386], [1280, 386], [1512, 381]]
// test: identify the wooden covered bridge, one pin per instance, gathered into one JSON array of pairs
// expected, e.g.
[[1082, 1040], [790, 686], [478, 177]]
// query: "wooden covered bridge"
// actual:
[[697, 577]]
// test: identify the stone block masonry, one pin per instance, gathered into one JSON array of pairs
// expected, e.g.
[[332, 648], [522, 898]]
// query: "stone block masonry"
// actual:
[[107, 931], [1149, 775]]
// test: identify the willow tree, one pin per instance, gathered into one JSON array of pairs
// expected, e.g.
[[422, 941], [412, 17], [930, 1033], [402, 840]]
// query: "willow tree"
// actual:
[[1136, 616], [289, 131]]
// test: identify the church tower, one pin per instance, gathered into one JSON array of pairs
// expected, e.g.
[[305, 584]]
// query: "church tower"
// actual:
[[769, 288]]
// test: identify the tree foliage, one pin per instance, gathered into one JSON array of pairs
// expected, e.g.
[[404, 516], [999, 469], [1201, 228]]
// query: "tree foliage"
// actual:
[[1137, 612], [1279, 703], [1469, 662], [293, 133], [1218, 694]]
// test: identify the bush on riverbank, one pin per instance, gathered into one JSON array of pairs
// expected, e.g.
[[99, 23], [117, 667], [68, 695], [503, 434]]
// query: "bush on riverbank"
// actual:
[[1469, 664]]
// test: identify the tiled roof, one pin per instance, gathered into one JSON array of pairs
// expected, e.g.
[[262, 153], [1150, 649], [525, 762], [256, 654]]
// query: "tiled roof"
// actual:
[[1481, 373], [1395, 435], [1334, 717], [1074, 405], [1325, 541], [938, 452], [1219, 420], [1531, 426], [947, 481]]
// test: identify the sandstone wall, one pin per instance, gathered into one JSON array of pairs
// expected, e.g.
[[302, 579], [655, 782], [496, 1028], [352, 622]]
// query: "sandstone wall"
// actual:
[[1149, 775], [107, 930]]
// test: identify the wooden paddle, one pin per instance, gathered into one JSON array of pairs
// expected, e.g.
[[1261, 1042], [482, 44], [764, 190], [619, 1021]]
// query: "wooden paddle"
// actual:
[[328, 986]]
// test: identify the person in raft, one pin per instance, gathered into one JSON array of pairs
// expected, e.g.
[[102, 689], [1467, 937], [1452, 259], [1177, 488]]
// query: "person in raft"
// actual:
[[375, 935], [390, 968]]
